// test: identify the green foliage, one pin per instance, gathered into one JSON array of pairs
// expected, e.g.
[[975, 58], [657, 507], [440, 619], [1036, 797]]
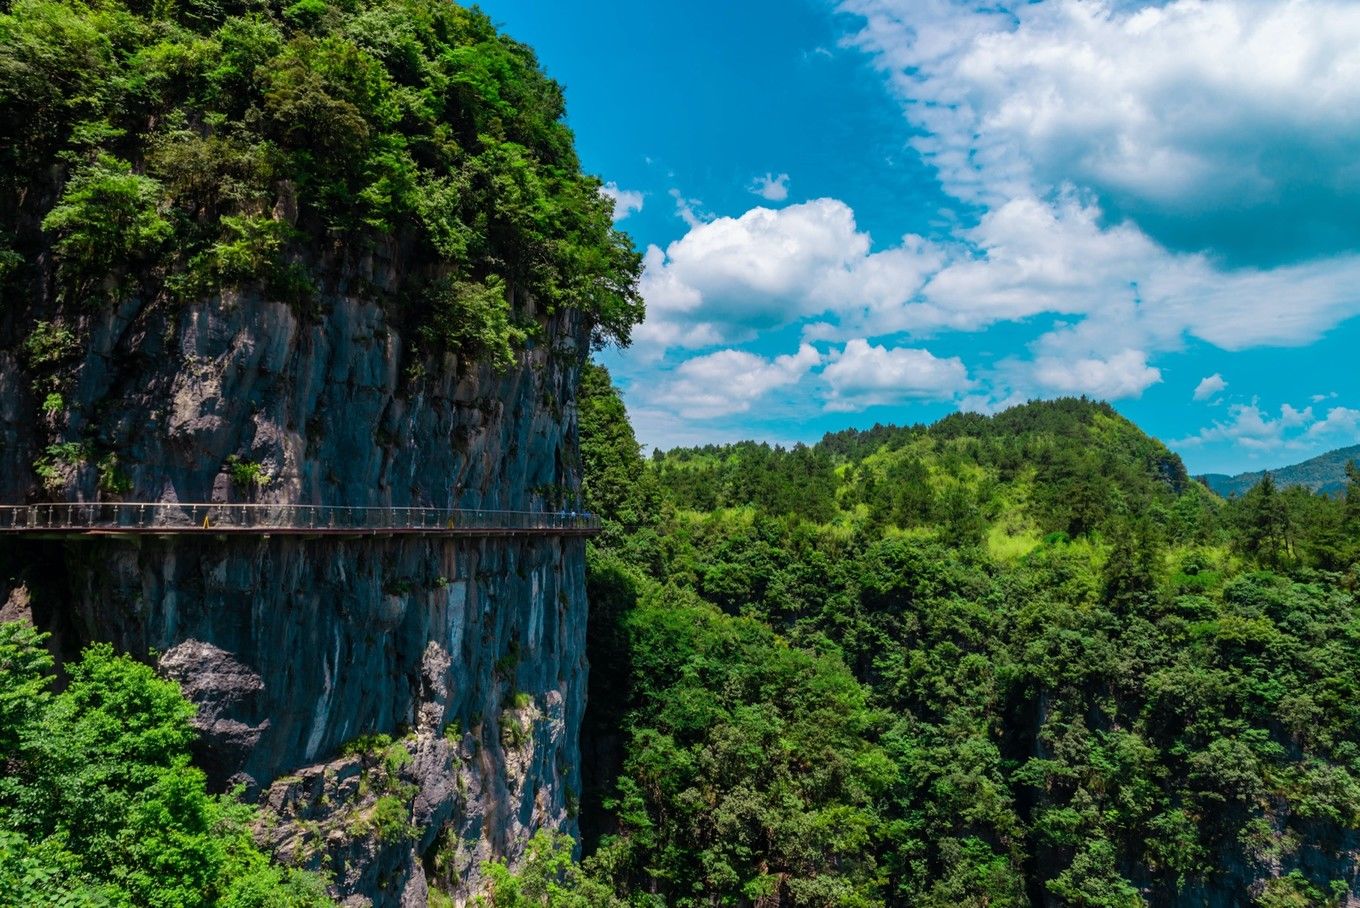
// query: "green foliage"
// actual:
[[1265, 530], [183, 149], [108, 219], [616, 484], [246, 474], [547, 879], [56, 458], [112, 480], [10, 262], [1295, 891], [99, 803], [1145, 687], [390, 819], [751, 765], [397, 758], [251, 248], [365, 745], [509, 661], [25, 679], [513, 733], [48, 344], [1092, 881], [473, 321]]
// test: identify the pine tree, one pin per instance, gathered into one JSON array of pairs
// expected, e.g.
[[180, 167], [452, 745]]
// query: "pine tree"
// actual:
[[1267, 533]]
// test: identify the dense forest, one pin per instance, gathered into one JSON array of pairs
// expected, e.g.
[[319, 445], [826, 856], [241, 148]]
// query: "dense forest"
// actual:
[[159, 156], [994, 661], [401, 149]]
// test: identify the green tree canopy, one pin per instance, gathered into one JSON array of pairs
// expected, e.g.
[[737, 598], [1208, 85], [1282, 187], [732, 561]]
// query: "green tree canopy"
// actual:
[[99, 804]]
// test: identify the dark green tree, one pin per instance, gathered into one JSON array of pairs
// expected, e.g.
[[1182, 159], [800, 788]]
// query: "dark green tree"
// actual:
[[1134, 566], [1266, 531]]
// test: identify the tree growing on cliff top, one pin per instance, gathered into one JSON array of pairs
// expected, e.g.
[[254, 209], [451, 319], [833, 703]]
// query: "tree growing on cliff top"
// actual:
[[397, 148]]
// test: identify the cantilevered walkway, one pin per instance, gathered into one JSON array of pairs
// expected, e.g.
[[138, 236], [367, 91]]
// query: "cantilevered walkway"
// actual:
[[127, 518]]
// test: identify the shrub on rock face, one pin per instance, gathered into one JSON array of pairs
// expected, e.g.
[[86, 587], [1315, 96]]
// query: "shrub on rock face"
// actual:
[[99, 804], [108, 220], [547, 878]]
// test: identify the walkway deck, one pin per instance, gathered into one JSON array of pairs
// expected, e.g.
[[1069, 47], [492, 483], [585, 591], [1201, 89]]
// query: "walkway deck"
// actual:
[[61, 519]]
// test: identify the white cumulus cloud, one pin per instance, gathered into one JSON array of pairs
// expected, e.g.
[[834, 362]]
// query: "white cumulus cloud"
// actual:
[[728, 278], [1208, 122], [1131, 165], [1249, 426], [1125, 374], [1340, 422], [730, 381], [864, 375]]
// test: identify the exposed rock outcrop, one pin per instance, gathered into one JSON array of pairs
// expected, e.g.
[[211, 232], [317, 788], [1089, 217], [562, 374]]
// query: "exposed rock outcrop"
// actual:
[[470, 655]]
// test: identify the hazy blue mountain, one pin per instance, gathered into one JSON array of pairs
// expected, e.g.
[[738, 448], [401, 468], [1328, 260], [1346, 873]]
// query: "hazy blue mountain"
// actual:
[[1324, 473]]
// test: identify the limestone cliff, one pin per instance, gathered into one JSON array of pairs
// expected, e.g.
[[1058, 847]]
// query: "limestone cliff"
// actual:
[[469, 655]]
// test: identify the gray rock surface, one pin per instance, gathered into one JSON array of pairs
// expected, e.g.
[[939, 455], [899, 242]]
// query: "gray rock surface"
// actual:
[[469, 652]]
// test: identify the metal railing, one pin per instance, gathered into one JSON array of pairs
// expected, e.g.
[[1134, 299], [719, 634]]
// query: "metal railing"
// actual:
[[297, 519]]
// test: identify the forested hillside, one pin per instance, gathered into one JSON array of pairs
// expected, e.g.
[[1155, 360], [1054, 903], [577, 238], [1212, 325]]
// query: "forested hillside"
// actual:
[[345, 253], [1326, 473], [994, 661]]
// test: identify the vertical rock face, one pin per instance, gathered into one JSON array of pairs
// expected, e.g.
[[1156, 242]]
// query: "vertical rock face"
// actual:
[[467, 655]]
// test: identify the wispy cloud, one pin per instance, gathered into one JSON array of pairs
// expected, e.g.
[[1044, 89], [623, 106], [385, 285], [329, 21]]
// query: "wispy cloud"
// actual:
[[626, 201], [1210, 386], [771, 188], [1249, 426], [690, 211]]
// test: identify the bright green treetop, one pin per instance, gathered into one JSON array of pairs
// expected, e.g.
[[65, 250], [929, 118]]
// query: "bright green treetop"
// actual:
[[399, 148]]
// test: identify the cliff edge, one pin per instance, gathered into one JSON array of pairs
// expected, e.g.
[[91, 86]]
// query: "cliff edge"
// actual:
[[323, 255]]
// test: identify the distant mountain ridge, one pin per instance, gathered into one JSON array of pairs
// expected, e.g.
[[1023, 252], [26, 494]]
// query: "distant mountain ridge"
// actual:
[[1325, 473]]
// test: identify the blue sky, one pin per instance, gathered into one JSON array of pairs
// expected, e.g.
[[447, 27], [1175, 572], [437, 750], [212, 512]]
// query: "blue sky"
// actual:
[[886, 210]]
